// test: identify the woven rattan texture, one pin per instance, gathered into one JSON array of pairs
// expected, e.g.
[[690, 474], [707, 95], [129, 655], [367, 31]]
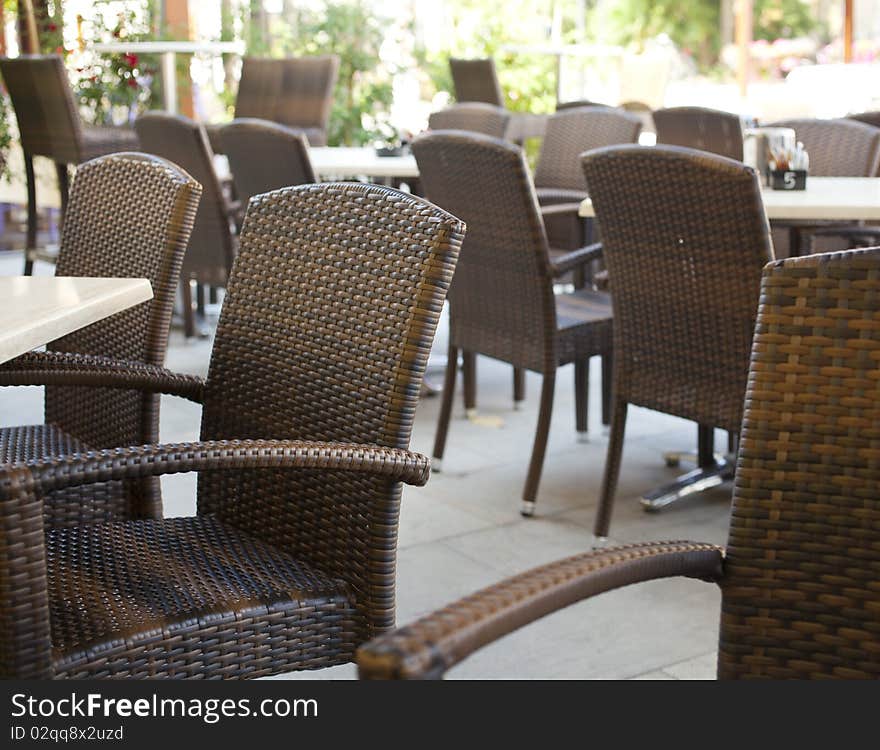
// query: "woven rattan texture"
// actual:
[[183, 142], [476, 81], [800, 595], [293, 91], [48, 116], [155, 578], [838, 148], [684, 238], [325, 333], [502, 297], [335, 307], [473, 117], [265, 156], [129, 216], [704, 129], [871, 118], [431, 645], [570, 133]]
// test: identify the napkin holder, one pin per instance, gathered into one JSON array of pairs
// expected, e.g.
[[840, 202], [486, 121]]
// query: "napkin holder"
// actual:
[[788, 179]]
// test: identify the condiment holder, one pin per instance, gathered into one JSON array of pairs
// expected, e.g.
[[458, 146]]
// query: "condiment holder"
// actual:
[[787, 168]]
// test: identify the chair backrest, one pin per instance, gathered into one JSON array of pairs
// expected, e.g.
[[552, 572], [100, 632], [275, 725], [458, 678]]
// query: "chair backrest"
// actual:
[[129, 215], [265, 156], [476, 80], [570, 132], [685, 238], [697, 127], [324, 335], [501, 301], [799, 595], [474, 117], [838, 148], [869, 118], [578, 103], [184, 142], [47, 115], [292, 91]]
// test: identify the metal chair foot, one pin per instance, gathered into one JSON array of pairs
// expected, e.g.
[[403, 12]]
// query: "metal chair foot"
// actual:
[[517, 405], [583, 437], [698, 480], [527, 509], [437, 465], [470, 413], [599, 542]]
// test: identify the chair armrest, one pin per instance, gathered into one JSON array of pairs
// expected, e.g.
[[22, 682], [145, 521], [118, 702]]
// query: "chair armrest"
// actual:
[[560, 209], [433, 644], [576, 258], [209, 455], [69, 368]]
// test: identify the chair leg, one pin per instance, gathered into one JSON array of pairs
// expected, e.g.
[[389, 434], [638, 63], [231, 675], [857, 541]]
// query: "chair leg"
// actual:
[[189, 320], [607, 381], [469, 372], [212, 294], [63, 186], [31, 237], [519, 387], [581, 398], [612, 471], [200, 299], [540, 447], [445, 406]]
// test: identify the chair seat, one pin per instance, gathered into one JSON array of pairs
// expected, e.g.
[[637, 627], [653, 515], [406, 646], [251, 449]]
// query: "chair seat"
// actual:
[[36, 441], [549, 196], [99, 141], [583, 319], [188, 597]]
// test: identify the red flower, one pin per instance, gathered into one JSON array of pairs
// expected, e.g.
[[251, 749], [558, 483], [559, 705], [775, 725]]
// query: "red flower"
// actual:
[[52, 27], [132, 60], [132, 82]]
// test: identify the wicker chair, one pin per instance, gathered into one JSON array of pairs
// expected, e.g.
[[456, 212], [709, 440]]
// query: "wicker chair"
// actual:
[[292, 91], [559, 178], [871, 118], [129, 215], [473, 117], [501, 302], [307, 414], [49, 125], [264, 156], [697, 127], [837, 148], [476, 80], [798, 577], [685, 238], [213, 244]]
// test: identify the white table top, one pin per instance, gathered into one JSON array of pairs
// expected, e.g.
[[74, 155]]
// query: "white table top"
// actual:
[[826, 198], [345, 161], [158, 48], [40, 309]]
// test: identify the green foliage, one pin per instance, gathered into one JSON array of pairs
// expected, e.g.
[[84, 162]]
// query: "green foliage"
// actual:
[[785, 19]]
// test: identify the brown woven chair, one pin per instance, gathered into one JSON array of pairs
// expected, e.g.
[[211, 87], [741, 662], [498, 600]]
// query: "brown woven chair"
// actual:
[[213, 243], [265, 156], [704, 129], [685, 238], [578, 103], [49, 125], [476, 80], [292, 91], [307, 414], [871, 118], [501, 302], [473, 117], [837, 148], [559, 178], [798, 577], [129, 215]]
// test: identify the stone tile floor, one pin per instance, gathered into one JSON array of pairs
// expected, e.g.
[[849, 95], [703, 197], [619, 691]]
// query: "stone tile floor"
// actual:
[[463, 530]]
